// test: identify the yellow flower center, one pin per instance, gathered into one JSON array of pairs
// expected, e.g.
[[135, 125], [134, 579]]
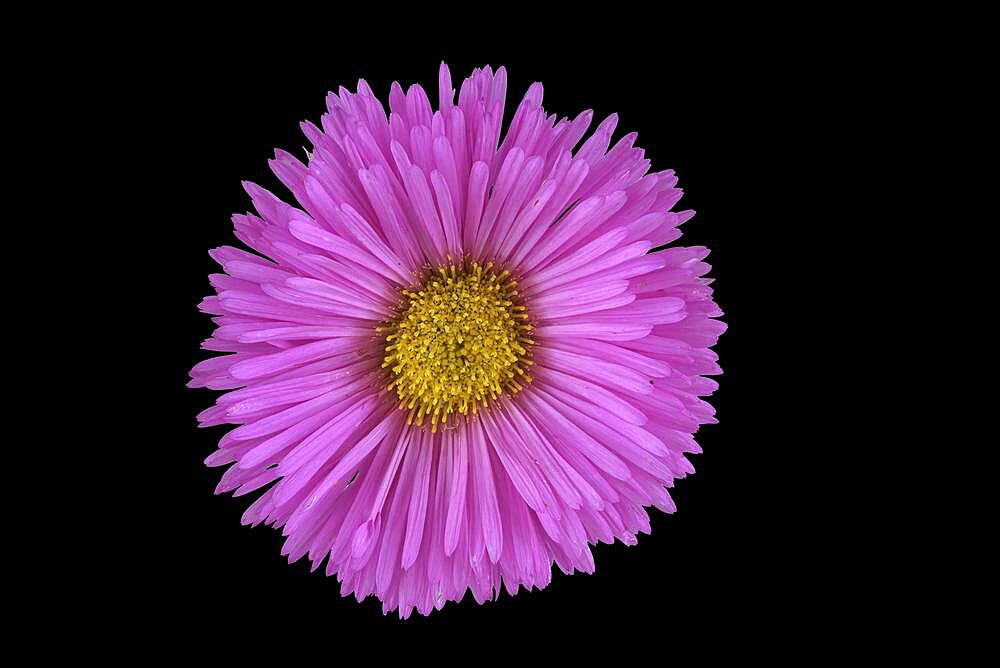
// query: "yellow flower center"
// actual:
[[459, 341]]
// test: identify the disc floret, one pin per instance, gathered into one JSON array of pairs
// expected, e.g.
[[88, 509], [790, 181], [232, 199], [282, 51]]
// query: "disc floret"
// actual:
[[459, 341]]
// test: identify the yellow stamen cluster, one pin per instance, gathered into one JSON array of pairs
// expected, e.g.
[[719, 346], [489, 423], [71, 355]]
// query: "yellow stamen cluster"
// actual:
[[458, 342]]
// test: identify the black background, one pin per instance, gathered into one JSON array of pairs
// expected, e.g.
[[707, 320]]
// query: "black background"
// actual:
[[726, 114]]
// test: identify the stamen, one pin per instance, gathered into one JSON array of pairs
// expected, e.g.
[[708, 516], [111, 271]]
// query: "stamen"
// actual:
[[459, 341]]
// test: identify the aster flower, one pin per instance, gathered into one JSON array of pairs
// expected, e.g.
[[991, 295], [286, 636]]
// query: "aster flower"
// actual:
[[455, 362]]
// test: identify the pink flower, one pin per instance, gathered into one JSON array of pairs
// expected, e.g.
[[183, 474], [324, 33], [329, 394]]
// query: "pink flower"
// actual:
[[455, 362]]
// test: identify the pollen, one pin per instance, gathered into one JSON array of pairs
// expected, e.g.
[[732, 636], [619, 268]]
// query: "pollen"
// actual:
[[458, 342]]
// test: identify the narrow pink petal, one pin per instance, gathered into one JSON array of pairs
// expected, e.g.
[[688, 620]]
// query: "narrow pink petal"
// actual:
[[420, 493]]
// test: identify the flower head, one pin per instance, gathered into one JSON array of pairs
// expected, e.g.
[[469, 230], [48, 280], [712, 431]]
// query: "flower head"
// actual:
[[455, 361]]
